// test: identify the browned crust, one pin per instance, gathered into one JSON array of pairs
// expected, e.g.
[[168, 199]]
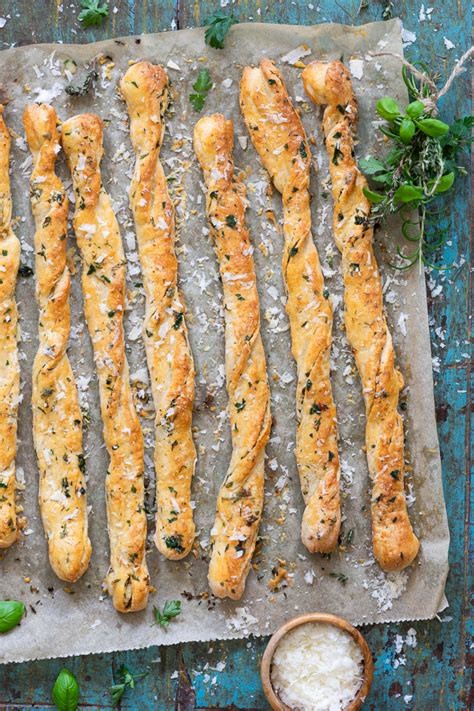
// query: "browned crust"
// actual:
[[395, 544], [57, 421], [279, 138], [103, 283], [9, 366], [240, 501], [170, 362]]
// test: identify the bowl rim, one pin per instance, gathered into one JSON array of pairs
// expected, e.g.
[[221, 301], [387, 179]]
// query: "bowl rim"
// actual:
[[266, 663]]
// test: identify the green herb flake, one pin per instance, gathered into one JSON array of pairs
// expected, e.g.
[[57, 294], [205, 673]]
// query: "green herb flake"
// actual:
[[239, 406]]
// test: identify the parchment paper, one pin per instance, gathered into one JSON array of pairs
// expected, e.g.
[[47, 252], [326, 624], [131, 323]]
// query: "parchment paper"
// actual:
[[80, 619]]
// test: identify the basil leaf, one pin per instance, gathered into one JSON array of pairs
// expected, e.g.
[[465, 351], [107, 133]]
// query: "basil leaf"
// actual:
[[415, 109], [371, 165], [432, 127], [408, 193], [11, 612], [388, 109], [445, 183], [66, 691], [407, 130], [372, 196]]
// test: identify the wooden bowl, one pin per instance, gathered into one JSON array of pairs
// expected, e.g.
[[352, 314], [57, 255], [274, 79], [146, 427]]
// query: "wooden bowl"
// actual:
[[266, 664]]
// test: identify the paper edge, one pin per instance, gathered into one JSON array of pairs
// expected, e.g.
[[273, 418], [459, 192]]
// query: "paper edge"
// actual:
[[392, 25]]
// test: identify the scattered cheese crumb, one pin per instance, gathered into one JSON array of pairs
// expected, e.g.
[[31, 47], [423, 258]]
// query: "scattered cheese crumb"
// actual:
[[356, 67], [296, 54]]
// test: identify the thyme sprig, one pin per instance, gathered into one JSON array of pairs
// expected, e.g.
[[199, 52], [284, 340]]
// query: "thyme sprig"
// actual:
[[421, 164]]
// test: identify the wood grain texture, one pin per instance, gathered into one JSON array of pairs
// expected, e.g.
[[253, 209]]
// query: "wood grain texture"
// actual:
[[434, 674]]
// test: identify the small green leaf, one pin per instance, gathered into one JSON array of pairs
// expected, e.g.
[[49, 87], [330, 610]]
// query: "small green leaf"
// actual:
[[201, 86], [432, 127], [219, 26], [203, 82], [11, 612], [388, 109], [445, 183], [371, 165], [66, 691], [171, 609], [197, 101], [116, 692], [407, 130], [415, 109], [128, 679], [408, 193], [92, 13], [372, 196]]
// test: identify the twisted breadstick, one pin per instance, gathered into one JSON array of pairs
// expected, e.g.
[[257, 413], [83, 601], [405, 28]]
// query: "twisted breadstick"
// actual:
[[395, 544], [103, 283], [57, 421], [145, 89], [240, 502], [9, 366], [279, 138]]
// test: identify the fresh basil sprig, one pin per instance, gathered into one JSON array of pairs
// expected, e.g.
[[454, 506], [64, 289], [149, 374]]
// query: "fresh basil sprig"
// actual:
[[219, 26], [128, 679], [66, 691], [202, 87], [11, 613], [421, 164], [171, 609]]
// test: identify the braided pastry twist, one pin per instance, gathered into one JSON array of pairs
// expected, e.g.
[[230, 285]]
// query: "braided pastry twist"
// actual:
[[279, 138], [103, 283], [57, 421], [395, 544], [9, 365], [170, 362], [240, 501]]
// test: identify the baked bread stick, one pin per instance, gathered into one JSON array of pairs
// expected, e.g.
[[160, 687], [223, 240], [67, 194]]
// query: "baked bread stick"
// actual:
[[240, 501], [395, 545], [9, 365], [57, 421], [170, 363], [103, 283], [279, 138]]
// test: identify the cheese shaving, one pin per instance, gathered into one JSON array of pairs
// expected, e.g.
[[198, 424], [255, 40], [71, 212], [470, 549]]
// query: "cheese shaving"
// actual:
[[317, 667]]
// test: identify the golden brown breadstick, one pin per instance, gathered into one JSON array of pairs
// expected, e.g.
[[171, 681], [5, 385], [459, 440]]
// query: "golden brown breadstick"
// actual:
[[395, 544], [240, 502], [9, 366], [279, 138], [170, 362], [103, 283], [57, 421]]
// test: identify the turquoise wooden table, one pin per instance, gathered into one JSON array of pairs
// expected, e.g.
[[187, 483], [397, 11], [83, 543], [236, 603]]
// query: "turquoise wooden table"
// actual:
[[425, 671]]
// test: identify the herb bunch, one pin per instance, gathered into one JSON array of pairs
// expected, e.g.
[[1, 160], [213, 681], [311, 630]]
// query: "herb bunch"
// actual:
[[128, 680], [421, 164]]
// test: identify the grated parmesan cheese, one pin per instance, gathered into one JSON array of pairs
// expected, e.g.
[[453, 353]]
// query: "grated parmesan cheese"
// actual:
[[317, 667]]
